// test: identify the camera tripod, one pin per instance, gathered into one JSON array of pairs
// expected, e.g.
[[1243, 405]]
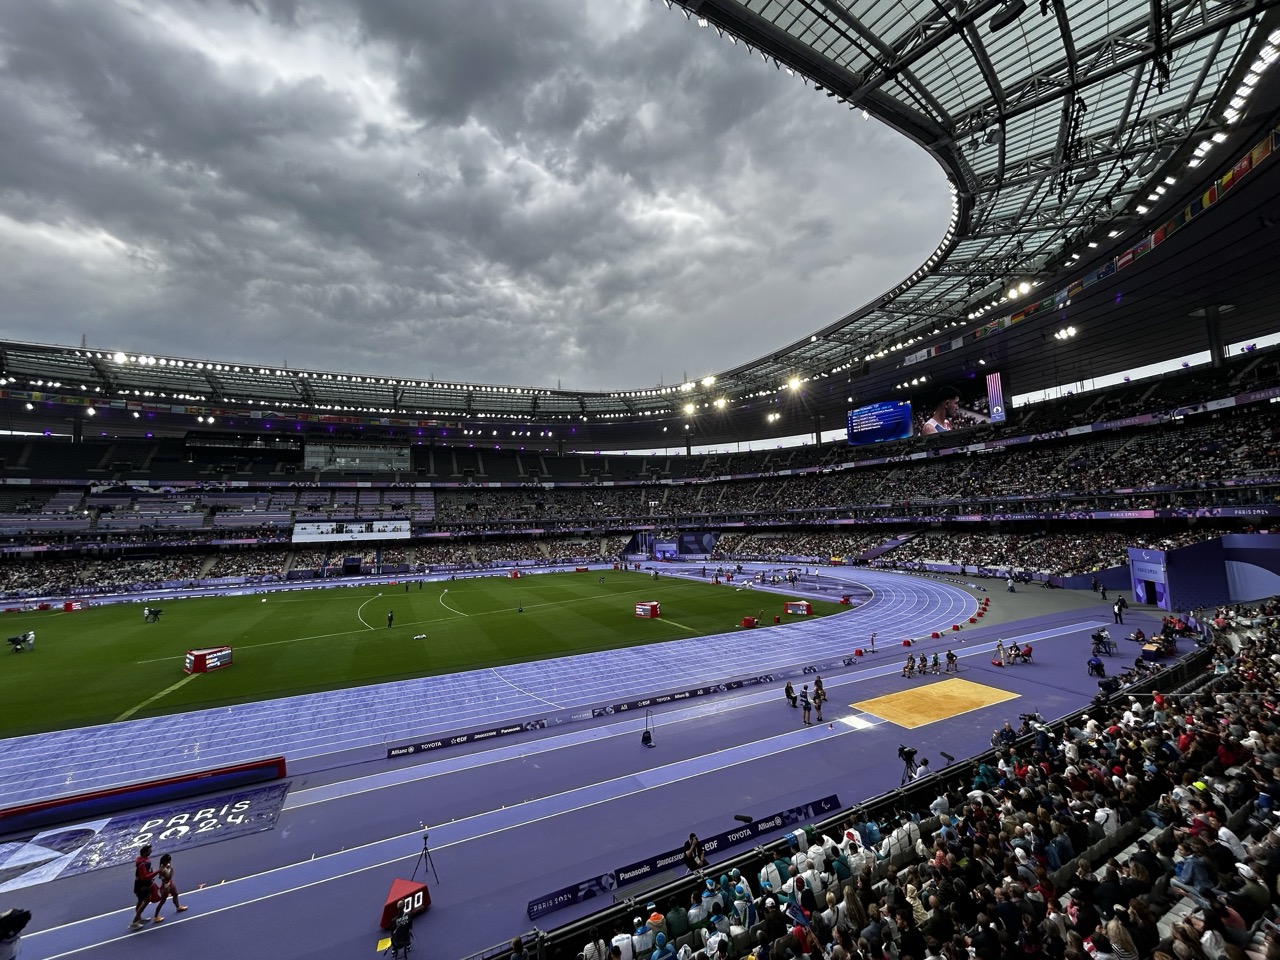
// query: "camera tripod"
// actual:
[[425, 857], [909, 768]]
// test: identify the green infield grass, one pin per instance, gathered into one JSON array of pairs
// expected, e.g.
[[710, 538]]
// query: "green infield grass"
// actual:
[[104, 664]]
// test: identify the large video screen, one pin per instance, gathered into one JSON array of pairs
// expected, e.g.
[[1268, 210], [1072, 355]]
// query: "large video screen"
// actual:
[[878, 422], [979, 399]]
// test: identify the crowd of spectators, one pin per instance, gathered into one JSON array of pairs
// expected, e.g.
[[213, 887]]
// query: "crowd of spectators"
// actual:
[[64, 576], [1064, 554], [262, 564], [812, 547], [1146, 828], [1056, 552], [309, 558], [1227, 458]]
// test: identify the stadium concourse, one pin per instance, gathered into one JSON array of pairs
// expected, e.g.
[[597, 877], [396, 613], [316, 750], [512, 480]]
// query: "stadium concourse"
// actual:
[[514, 819]]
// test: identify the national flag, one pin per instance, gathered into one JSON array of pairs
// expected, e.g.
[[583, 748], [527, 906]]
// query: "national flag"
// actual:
[[1260, 152]]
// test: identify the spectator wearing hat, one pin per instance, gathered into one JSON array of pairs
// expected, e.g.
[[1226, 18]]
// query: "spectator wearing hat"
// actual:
[[1081, 913], [775, 924], [641, 937], [743, 916], [740, 881], [718, 925], [661, 949], [656, 921], [804, 896], [1251, 899]]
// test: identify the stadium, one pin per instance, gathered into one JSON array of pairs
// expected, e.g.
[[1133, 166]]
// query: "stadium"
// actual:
[[374, 656]]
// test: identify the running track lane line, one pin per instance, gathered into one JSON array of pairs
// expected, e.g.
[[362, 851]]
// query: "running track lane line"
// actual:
[[109, 928]]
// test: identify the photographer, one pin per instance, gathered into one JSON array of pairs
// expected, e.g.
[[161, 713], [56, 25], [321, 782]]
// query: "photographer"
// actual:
[[695, 858]]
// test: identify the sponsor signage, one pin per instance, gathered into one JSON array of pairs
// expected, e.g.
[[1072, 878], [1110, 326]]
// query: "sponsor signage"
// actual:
[[668, 859]]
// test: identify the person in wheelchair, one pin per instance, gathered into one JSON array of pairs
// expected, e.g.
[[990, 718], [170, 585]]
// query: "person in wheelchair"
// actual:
[[1096, 667]]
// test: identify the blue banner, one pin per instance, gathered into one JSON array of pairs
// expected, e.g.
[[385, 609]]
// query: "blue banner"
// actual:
[[114, 841], [669, 859]]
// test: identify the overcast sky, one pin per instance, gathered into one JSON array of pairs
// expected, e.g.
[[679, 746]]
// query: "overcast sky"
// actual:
[[591, 193]]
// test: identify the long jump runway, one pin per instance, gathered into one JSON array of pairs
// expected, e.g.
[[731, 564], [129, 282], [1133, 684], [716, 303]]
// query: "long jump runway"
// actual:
[[510, 823]]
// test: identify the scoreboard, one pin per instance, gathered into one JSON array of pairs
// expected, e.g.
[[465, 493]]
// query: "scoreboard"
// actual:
[[890, 420]]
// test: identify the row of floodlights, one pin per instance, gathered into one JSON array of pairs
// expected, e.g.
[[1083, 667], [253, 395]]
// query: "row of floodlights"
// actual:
[[1269, 53], [145, 360], [1235, 108], [1016, 290], [908, 384]]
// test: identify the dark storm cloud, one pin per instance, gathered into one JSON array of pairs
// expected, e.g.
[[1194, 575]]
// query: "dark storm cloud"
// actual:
[[593, 192]]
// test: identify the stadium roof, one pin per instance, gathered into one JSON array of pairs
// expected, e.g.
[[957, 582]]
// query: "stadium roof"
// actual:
[[1068, 131]]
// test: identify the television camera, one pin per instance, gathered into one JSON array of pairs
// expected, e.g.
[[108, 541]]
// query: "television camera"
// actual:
[[909, 766], [1031, 722]]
